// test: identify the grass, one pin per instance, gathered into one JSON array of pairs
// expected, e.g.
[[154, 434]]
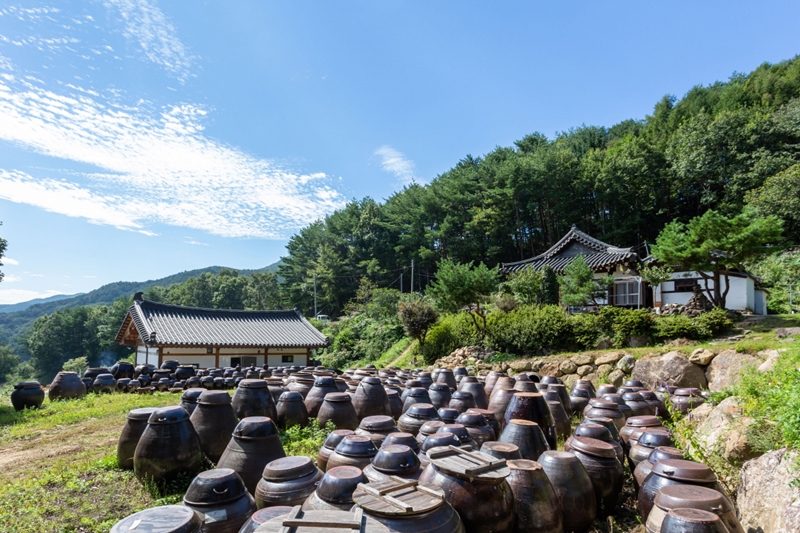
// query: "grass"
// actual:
[[387, 357]]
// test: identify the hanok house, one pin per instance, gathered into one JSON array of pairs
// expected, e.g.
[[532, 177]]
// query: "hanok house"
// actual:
[[217, 338], [623, 263]]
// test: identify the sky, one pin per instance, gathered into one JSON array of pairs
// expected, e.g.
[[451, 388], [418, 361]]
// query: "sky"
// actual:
[[141, 138]]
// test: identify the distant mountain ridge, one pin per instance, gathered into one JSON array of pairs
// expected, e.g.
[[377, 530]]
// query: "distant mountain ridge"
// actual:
[[14, 322]]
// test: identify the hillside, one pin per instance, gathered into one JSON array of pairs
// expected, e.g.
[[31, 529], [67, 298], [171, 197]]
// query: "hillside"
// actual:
[[14, 323], [11, 308]]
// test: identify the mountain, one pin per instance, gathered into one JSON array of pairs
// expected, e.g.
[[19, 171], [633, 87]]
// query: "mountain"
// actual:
[[15, 321]]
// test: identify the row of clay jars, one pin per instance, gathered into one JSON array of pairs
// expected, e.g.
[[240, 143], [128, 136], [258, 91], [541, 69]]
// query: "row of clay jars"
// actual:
[[692, 497]]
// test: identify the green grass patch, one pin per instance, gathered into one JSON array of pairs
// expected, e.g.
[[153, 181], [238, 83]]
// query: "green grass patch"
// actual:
[[387, 357]]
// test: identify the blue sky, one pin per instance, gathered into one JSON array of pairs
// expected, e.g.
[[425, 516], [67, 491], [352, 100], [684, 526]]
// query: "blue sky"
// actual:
[[142, 138]]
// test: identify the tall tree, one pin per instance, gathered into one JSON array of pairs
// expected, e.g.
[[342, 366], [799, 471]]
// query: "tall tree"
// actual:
[[463, 286]]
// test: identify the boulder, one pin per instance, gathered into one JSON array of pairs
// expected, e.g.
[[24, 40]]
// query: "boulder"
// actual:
[[550, 369], [724, 431], [594, 378], [768, 496], [616, 377], [569, 380], [537, 364], [604, 370], [725, 369], [608, 358], [582, 359], [786, 332], [702, 357], [670, 368], [638, 341], [772, 358], [520, 366], [585, 369], [626, 364], [568, 367]]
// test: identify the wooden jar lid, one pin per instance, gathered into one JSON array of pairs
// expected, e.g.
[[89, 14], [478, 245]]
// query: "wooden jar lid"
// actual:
[[398, 497]]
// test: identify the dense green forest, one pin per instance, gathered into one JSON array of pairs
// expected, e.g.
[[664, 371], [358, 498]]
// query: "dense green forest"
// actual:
[[721, 146]]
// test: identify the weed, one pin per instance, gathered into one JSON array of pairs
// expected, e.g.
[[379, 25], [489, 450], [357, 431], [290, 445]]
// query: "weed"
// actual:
[[306, 440]]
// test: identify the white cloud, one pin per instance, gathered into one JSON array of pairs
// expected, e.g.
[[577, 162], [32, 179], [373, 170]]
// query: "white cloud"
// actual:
[[155, 166], [11, 279], [8, 261], [14, 296], [189, 240], [395, 162], [146, 24], [90, 277]]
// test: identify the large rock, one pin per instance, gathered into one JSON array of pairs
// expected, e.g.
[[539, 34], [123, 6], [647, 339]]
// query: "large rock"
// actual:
[[585, 370], [604, 370], [724, 431], [520, 366], [786, 332], [616, 377], [626, 364], [568, 367], [769, 496], [671, 368], [582, 359], [726, 368], [550, 369], [702, 357], [608, 358], [772, 357]]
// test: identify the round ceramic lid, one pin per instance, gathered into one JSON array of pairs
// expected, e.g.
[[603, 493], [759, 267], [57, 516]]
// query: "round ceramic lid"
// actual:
[[255, 428], [337, 397], [442, 438], [471, 419], [683, 470], [600, 403], [694, 496], [655, 437], [335, 437], [253, 384], [690, 516], [461, 395], [502, 448], [165, 519], [290, 396], [424, 411], [409, 498], [214, 397], [356, 446], [470, 465], [214, 487], [643, 421], [168, 415], [593, 447], [192, 394], [396, 459], [268, 513], [431, 426], [664, 452], [632, 397], [287, 468], [377, 423], [400, 437], [439, 387], [143, 413], [416, 392], [338, 484], [594, 431], [28, 385], [487, 414]]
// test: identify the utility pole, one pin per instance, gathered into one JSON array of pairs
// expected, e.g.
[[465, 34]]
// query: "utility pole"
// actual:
[[315, 295], [401, 282], [412, 274]]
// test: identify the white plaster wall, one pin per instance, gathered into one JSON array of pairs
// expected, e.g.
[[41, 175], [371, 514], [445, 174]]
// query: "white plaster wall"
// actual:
[[741, 296]]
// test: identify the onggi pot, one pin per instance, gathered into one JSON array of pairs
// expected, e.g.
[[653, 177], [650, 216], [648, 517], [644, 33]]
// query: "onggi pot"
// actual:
[[338, 408], [536, 505], [600, 461], [573, 488], [169, 446], [131, 432], [214, 421], [27, 395], [254, 444], [287, 481]]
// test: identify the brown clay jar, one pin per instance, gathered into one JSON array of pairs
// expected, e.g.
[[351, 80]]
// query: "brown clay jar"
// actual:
[[395, 404], [214, 421], [254, 444], [634, 422], [649, 440], [411, 421], [477, 427], [692, 521], [291, 410], [499, 401], [376, 427], [253, 398], [527, 436], [461, 401], [220, 496], [563, 425], [645, 467], [536, 505], [596, 431], [532, 406], [673, 472], [692, 497], [371, 399], [331, 441], [287, 481], [489, 417], [600, 408], [134, 427], [429, 427], [338, 409], [439, 395], [685, 400], [573, 488], [394, 460], [600, 461], [313, 400]]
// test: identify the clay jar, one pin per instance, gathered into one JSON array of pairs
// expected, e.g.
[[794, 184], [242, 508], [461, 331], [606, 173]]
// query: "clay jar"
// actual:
[[460, 433], [66, 385], [276, 388], [131, 432], [189, 399], [490, 381], [477, 427], [635, 422], [220, 496], [461, 401], [655, 402], [606, 423], [528, 437], [406, 439], [315, 397], [498, 403], [692, 497], [169, 446], [579, 399], [429, 427], [692, 521], [252, 398], [650, 439], [333, 439], [672, 472], [439, 394], [617, 399], [684, 400], [483, 500], [395, 405], [27, 395], [164, 519], [600, 461], [448, 415], [300, 383], [338, 409], [532, 406], [415, 395], [587, 385], [291, 410], [447, 377], [596, 431], [477, 391], [214, 421], [394, 460], [491, 420], [535, 502], [287, 481], [573, 488], [254, 444], [353, 450], [371, 399], [644, 468], [376, 428], [335, 490], [415, 416], [501, 450], [563, 425], [599, 408], [410, 384]]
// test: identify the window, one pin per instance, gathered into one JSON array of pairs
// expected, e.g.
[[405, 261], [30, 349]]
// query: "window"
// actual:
[[685, 285], [209, 350], [287, 359], [626, 293]]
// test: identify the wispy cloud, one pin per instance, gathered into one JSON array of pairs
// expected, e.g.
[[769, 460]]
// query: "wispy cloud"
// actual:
[[189, 240], [13, 296], [395, 162], [9, 261], [11, 278], [146, 25]]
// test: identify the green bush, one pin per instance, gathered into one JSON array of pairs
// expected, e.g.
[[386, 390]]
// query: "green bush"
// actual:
[[585, 328], [359, 337], [713, 322], [677, 326], [528, 329], [631, 323], [451, 332]]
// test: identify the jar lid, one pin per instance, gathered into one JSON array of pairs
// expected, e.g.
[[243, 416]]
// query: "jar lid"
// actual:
[[459, 431], [28, 385], [397, 459], [523, 464], [689, 391], [253, 384], [255, 428], [287, 468], [214, 397], [487, 414], [268, 513], [335, 437], [438, 439], [422, 411], [664, 452], [377, 423], [400, 437], [412, 383], [683, 470], [594, 431], [594, 447], [655, 437], [338, 484], [694, 496], [391, 392], [471, 420], [416, 392], [632, 397], [142, 413], [439, 387], [337, 397], [468, 465], [164, 519], [431, 426], [290, 396], [447, 412], [600, 403], [681, 520], [191, 395], [643, 421], [356, 446], [462, 395], [214, 487], [168, 415]]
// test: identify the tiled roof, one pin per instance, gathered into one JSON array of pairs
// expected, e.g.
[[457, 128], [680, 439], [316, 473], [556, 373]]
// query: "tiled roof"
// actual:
[[600, 254], [176, 325]]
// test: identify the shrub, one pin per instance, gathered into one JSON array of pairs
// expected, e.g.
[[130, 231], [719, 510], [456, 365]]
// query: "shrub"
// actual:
[[585, 329], [631, 323], [528, 329], [79, 365], [306, 440], [713, 322], [673, 327], [451, 332]]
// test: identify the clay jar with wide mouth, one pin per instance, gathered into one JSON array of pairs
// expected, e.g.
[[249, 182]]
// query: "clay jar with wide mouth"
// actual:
[[214, 421], [406, 439], [499, 401], [416, 509], [501, 450], [563, 396], [477, 427], [488, 415], [685, 400], [692, 497], [477, 391], [635, 422], [291, 410], [490, 381], [644, 468], [27, 395], [276, 388], [460, 432], [668, 472], [638, 405], [527, 436], [429, 427], [394, 460], [573, 488], [532, 406], [131, 432], [287, 481], [563, 424], [253, 398], [447, 377], [596, 431], [600, 408], [536, 505], [579, 399], [415, 395], [189, 399], [254, 444], [600, 461], [163, 519], [371, 399], [483, 500], [105, 383], [376, 427], [437, 440], [415, 416], [461, 401], [439, 394], [410, 384], [221, 497], [649, 440], [300, 383], [335, 490], [605, 388], [315, 397], [338, 409], [331, 441], [352, 450], [169, 446], [692, 521], [395, 405]]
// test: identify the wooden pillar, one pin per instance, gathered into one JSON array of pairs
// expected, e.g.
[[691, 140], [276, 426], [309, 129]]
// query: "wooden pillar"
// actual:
[[160, 356], [216, 357]]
